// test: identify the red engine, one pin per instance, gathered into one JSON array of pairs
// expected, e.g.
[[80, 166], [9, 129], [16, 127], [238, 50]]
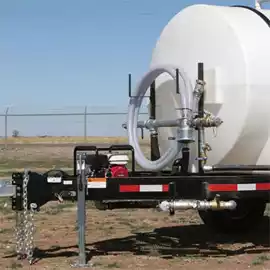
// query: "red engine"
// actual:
[[118, 165], [107, 165], [119, 171]]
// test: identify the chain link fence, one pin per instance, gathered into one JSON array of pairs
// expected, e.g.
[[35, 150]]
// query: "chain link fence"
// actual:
[[77, 121]]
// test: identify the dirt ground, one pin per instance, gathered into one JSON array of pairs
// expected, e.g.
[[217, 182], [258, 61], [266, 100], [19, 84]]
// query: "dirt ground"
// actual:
[[123, 239], [138, 239]]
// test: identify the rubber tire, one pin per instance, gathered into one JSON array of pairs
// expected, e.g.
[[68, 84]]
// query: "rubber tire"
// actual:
[[247, 216]]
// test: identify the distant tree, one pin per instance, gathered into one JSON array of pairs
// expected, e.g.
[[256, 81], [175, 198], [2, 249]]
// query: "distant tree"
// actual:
[[15, 133]]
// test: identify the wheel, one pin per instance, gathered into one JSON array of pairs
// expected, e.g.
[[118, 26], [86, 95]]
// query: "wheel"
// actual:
[[246, 216]]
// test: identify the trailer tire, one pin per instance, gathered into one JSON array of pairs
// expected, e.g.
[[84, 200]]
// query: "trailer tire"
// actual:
[[247, 216]]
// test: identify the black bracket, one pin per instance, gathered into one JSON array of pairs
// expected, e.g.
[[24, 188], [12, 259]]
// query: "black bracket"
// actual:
[[130, 87], [173, 194], [17, 199]]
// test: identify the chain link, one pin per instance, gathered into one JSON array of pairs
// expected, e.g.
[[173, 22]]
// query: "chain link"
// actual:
[[19, 234], [25, 225]]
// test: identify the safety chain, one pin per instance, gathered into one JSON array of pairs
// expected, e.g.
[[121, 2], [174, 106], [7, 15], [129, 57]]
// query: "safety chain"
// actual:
[[19, 234], [25, 226]]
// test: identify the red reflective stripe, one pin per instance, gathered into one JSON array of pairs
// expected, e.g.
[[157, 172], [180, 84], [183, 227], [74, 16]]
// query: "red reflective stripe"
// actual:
[[222, 187], [263, 186], [129, 188], [165, 188], [136, 188]]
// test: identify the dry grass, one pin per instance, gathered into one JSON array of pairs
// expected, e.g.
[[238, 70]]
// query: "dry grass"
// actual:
[[66, 140], [42, 154]]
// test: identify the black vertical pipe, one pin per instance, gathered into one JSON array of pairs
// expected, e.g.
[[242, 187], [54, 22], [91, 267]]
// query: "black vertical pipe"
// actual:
[[200, 115], [155, 154], [153, 100], [129, 85], [177, 81], [185, 160]]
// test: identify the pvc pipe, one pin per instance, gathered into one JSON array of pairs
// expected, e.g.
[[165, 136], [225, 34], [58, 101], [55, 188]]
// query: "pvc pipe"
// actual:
[[222, 167]]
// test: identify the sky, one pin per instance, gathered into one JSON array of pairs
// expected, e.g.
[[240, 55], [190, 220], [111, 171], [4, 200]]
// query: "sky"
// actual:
[[67, 54]]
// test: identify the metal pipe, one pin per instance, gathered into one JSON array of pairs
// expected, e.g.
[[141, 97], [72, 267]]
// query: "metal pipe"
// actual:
[[6, 128], [197, 205], [196, 123], [81, 214], [85, 123], [237, 168], [154, 124]]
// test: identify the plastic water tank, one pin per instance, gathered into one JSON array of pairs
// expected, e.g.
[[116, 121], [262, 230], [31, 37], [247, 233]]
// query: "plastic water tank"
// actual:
[[234, 45]]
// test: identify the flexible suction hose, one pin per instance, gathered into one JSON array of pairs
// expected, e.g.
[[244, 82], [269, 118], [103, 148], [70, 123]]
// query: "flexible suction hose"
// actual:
[[186, 104]]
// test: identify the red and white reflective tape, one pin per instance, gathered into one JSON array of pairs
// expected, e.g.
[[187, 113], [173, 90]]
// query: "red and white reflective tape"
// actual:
[[239, 187], [144, 188]]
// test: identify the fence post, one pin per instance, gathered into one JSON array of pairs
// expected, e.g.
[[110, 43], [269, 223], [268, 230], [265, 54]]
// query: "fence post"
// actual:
[[6, 127], [85, 123]]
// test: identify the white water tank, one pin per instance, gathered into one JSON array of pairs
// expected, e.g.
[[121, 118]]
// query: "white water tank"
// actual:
[[234, 45]]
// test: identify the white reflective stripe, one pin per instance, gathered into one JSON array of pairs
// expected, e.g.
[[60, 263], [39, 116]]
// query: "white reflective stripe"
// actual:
[[246, 187], [54, 179], [68, 182], [149, 188], [97, 185]]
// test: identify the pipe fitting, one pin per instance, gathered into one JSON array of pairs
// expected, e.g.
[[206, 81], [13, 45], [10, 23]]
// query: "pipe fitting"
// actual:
[[185, 132], [199, 89], [208, 168], [197, 93], [207, 122]]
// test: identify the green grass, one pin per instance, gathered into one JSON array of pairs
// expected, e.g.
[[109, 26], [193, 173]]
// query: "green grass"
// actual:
[[260, 260], [5, 206], [58, 208], [15, 265], [113, 265], [6, 230]]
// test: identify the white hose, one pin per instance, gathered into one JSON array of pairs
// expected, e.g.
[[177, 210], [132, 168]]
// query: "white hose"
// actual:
[[186, 102]]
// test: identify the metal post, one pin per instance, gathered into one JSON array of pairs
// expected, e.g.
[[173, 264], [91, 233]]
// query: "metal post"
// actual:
[[6, 127], [85, 123], [81, 187]]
